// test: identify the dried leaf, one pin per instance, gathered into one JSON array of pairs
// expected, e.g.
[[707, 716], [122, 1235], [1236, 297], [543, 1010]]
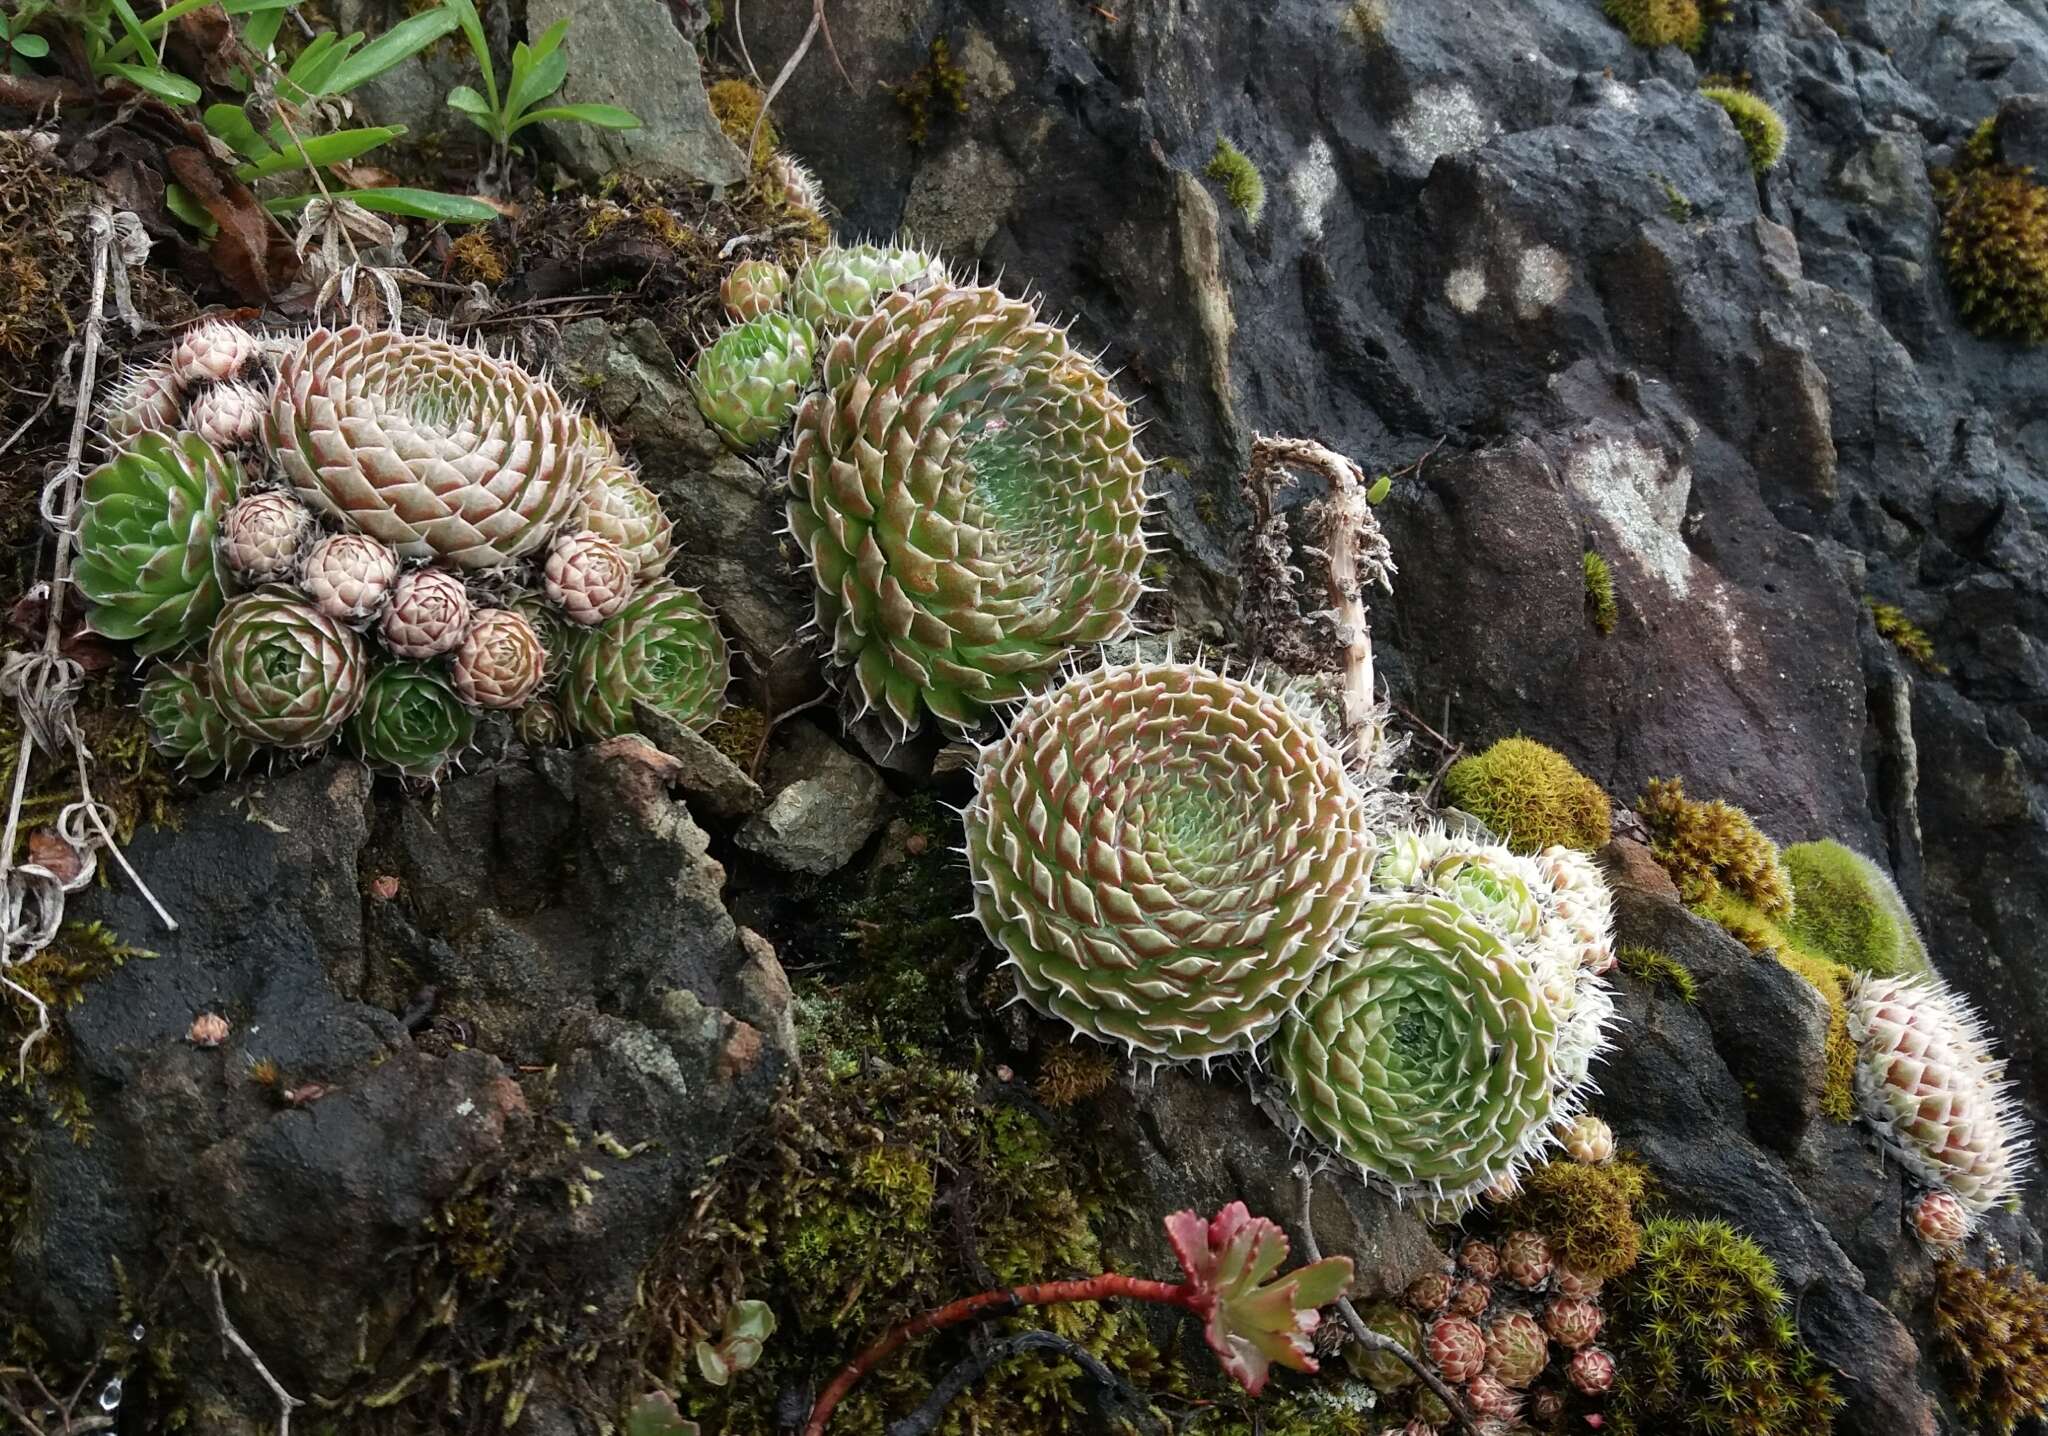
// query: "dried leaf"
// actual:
[[51, 853], [240, 249]]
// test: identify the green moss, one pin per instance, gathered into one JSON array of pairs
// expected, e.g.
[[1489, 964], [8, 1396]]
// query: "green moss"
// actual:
[[1071, 1073], [1588, 1212], [1532, 796], [1846, 908], [1366, 22], [1831, 981], [1599, 591], [1992, 1333], [1905, 635], [938, 87], [61, 976], [1704, 1344], [738, 734], [1675, 203], [737, 106], [1994, 241], [1242, 183], [1761, 127], [1709, 847], [1655, 23], [1646, 964]]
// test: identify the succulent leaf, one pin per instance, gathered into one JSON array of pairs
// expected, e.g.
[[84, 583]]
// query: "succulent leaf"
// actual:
[[842, 282], [1251, 1320], [282, 671], [188, 727], [754, 287], [662, 649], [411, 721], [147, 523], [747, 381]]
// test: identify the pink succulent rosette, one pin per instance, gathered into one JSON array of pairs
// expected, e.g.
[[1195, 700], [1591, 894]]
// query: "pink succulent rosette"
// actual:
[[429, 614], [213, 351], [590, 577], [349, 576], [501, 661]]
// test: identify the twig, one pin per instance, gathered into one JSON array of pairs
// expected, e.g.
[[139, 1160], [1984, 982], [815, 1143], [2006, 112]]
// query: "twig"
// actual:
[[926, 1419], [41, 409], [286, 1402], [1361, 1333], [803, 47], [794, 227]]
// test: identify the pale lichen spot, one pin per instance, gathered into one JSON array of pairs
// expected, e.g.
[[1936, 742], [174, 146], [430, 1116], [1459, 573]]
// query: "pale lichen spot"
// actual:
[[1542, 276], [1443, 120], [1466, 289], [1642, 495], [1312, 183]]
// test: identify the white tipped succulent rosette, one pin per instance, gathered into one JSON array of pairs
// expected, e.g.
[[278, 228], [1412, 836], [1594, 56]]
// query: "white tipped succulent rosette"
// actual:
[[1584, 903], [1927, 1080], [626, 511], [429, 614], [588, 576], [149, 399], [1940, 1221], [228, 414], [790, 180], [1589, 1140], [263, 537], [213, 351], [349, 576], [500, 662]]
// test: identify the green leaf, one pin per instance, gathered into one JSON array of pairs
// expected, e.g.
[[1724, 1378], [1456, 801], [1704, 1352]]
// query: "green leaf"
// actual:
[[655, 1414], [468, 101], [260, 34], [137, 36], [473, 31], [539, 77], [751, 1320], [231, 124], [159, 82], [390, 50], [608, 117], [412, 203], [32, 47], [1379, 491], [549, 42], [320, 150], [309, 73], [178, 200], [258, 7]]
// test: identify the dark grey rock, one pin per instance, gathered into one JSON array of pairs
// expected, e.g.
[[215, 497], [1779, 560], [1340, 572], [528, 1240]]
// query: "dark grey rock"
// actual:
[[706, 774], [826, 804]]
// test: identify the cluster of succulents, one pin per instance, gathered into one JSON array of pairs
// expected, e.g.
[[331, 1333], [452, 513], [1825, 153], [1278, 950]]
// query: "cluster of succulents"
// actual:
[[965, 485], [371, 535], [1443, 1049]]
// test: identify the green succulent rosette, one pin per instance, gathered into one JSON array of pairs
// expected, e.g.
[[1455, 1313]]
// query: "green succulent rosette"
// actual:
[[1425, 1051], [1167, 855], [971, 498], [188, 727], [662, 649], [840, 283], [410, 721], [283, 672], [748, 380], [147, 522]]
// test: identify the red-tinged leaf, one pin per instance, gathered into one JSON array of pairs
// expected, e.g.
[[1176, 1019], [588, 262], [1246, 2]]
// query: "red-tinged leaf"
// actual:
[[240, 250], [55, 856], [1251, 1322]]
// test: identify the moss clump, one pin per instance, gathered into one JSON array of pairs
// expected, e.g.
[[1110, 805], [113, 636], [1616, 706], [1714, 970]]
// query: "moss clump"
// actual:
[[738, 734], [1532, 796], [938, 87], [1761, 127], [1366, 22], [475, 256], [1600, 605], [1846, 908], [1242, 183], [59, 976], [1587, 1212], [1704, 1344], [1711, 847], [1831, 981], [1994, 241], [1655, 23], [1992, 1330], [1070, 1073], [1905, 635], [1646, 964], [737, 105]]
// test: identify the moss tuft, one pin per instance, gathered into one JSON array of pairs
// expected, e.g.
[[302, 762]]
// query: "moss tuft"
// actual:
[[1071, 1073], [1646, 964], [1831, 981], [1655, 23], [1704, 1344], [737, 105], [1587, 1212], [1994, 241], [1711, 847], [1242, 183], [1846, 908], [1532, 796], [1761, 127], [59, 976], [1992, 1330], [738, 734], [1366, 22], [938, 87], [475, 256], [1905, 635], [1600, 605]]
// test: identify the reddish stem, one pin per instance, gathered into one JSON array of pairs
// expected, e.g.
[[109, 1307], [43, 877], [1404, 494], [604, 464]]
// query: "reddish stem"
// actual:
[[986, 1304]]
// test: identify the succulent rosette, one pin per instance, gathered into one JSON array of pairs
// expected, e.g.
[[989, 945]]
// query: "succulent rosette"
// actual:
[[625, 511], [228, 414], [283, 672], [1573, 1321], [435, 448], [1526, 1259], [789, 181], [540, 724], [1382, 1370], [1926, 1079], [411, 721], [1424, 1052], [1458, 1347], [428, 615], [1590, 1371], [588, 576], [148, 399], [969, 494], [263, 537], [1517, 1349], [1167, 855], [188, 727], [753, 287], [662, 649], [842, 282], [349, 576], [556, 633], [211, 351], [501, 661], [1940, 1220], [147, 521], [747, 381], [1589, 1140]]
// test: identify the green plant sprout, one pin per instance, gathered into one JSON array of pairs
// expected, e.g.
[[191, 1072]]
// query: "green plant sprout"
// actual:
[[538, 70]]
